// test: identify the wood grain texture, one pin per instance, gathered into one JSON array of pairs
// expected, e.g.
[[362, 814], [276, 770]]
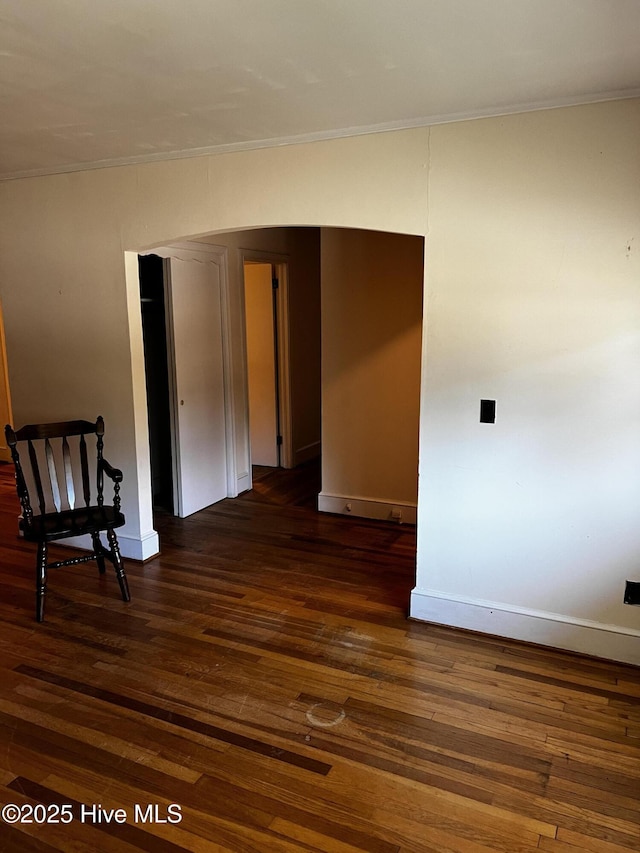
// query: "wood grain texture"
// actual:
[[266, 679]]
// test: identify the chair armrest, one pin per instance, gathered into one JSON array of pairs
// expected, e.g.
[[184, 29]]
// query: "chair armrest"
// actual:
[[114, 474]]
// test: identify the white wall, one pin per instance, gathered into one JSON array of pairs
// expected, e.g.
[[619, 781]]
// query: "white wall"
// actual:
[[532, 299], [530, 526], [372, 287]]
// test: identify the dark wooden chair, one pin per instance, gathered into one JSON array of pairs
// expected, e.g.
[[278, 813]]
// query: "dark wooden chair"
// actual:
[[64, 445]]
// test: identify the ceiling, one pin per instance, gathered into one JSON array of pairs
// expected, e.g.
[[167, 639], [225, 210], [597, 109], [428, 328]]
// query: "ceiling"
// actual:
[[87, 83]]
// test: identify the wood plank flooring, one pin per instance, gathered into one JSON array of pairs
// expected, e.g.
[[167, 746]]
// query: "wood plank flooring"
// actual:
[[265, 678]]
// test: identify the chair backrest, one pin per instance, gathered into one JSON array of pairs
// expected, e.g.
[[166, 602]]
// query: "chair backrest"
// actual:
[[53, 448]]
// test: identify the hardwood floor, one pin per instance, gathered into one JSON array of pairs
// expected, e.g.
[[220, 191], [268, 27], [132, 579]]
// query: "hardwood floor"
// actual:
[[265, 679]]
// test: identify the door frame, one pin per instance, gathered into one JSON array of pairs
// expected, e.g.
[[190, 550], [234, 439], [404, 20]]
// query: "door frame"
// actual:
[[279, 263], [218, 255], [5, 392]]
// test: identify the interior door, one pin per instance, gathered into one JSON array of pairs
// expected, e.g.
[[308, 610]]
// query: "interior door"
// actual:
[[261, 363], [195, 332]]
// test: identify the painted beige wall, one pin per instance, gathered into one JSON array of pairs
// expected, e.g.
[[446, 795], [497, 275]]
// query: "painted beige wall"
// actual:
[[533, 273], [372, 287]]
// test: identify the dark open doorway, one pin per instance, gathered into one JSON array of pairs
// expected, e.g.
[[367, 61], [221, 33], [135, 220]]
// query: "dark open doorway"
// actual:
[[154, 332]]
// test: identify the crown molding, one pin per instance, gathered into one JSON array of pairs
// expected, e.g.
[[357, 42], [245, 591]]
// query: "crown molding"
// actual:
[[326, 135]]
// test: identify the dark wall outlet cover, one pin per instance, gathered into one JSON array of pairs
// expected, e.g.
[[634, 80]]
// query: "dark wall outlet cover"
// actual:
[[632, 592], [487, 411]]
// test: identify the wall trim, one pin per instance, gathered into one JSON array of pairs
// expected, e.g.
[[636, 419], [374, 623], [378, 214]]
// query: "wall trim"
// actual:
[[306, 453], [557, 630], [244, 483], [327, 135], [139, 548], [367, 507]]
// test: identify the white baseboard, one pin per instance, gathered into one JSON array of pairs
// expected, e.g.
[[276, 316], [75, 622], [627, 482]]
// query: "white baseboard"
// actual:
[[140, 549], [243, 483], [307, 453], [130, 547], [398, 511], [612, 642]]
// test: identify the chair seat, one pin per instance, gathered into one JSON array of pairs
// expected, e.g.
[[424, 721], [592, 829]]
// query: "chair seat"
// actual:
[[73, 522]]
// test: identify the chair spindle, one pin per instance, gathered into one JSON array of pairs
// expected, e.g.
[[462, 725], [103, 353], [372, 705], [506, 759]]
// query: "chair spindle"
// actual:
[[84, 464], [36, 476], [53, 475], [68, 473]]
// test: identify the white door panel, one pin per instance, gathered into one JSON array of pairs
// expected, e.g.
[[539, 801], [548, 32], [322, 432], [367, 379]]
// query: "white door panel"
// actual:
[[198, 384]]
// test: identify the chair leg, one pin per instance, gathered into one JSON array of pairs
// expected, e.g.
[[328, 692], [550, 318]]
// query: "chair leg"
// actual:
[[97, 547], [117, 563], [41, 580]]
